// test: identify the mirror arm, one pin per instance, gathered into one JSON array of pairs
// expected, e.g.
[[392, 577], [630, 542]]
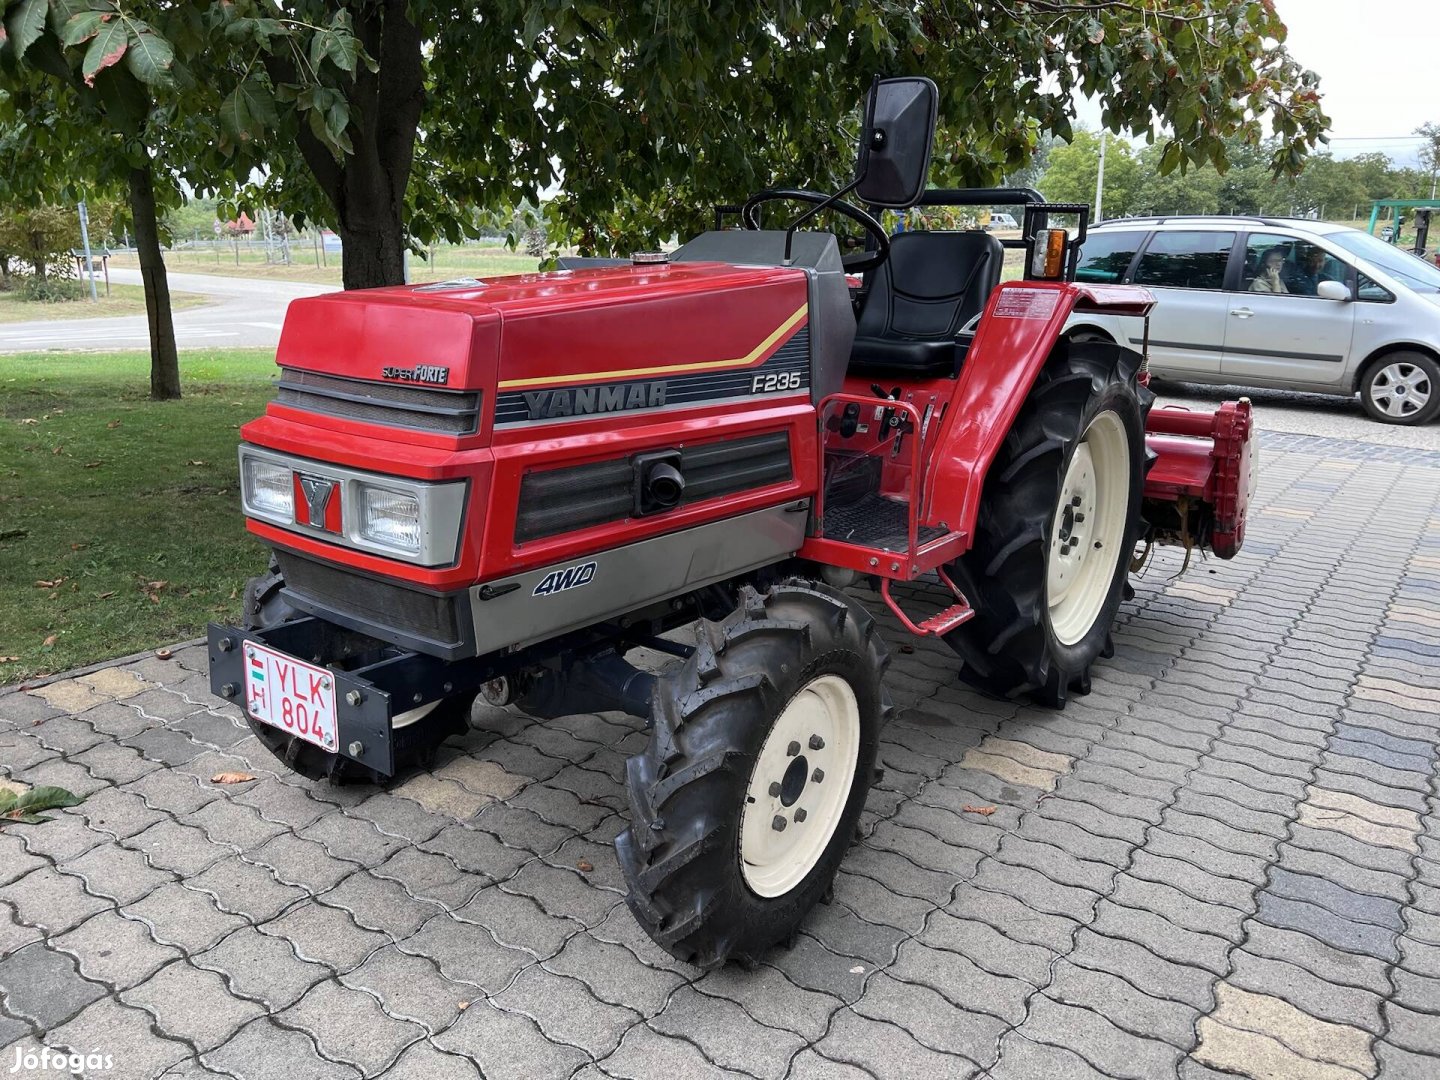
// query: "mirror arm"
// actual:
[[790, 231]]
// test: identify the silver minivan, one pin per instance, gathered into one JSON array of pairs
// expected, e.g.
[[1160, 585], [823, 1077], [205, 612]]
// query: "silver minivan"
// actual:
[[1282, 303]]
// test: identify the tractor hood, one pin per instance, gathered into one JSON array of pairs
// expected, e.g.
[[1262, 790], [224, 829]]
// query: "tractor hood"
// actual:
[[547, 346]]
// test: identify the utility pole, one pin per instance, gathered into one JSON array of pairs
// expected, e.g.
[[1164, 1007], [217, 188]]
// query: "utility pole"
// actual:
[[85, 243], [1100, 177]]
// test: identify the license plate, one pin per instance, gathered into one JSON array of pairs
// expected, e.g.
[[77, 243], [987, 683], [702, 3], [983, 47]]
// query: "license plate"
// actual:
[[289, 694]]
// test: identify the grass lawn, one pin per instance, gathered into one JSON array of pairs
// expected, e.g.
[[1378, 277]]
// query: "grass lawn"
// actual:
[[450, 261], [123, 300], [120, 525]]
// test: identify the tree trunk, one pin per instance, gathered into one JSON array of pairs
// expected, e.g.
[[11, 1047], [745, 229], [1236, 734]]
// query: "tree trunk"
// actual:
[[367, 188], [373, 252], [164, 359]]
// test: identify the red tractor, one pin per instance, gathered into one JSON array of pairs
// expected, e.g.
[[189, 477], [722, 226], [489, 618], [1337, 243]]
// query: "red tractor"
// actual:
[[504, 486]]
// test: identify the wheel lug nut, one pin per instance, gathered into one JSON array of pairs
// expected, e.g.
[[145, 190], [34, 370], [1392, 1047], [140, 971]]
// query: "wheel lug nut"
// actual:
[[1079, 518], [775, 790], [779, 823], [792, 749], [818, 775], [1075, 501], [817, 743], [799, 816]]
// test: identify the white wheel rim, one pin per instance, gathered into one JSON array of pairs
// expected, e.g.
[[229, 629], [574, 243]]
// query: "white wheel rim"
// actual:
[[413, 716], [1086, 538], [1400, 390], [818, 732]]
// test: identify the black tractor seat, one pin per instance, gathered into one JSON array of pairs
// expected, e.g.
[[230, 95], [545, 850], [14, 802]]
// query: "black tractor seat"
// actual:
[[931, 286]]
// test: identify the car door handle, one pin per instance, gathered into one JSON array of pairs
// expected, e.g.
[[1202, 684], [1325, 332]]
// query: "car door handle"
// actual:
[[1242, 313]]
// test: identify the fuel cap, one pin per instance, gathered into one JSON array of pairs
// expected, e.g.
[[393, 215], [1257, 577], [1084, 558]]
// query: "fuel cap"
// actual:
[[648, 258]]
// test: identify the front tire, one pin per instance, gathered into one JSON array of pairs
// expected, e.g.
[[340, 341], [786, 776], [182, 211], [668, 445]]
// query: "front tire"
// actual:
[[761, 755], [1402, 388], [1058, 521]]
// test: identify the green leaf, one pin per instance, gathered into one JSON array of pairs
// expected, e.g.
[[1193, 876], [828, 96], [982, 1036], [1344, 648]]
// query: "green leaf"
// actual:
[[248, 110], [25, 24], [26, 807], [81, 27], [343, 50], [106, 49], [150, 57]]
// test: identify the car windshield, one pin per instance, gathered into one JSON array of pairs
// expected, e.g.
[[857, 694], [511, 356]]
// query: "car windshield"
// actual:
[[1401, 265]]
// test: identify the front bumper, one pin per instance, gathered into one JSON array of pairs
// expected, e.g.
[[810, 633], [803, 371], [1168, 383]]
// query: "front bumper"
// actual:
[[367, 697]]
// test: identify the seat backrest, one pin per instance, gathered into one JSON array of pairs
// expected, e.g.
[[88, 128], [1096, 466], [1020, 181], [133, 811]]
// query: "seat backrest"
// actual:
[[932, 284]]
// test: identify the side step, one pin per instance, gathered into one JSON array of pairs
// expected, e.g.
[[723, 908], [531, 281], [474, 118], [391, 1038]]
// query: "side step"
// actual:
[[939, 624]]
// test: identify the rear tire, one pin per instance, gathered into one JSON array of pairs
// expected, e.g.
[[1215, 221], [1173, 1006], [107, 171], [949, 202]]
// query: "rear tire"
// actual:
[[1402, 388], [415, 735], [774, 719], [1058, 522]]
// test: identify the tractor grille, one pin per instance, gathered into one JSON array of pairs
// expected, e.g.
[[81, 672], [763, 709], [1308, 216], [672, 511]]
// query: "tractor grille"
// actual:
[[453, 412], [579, 496], [382, 608]]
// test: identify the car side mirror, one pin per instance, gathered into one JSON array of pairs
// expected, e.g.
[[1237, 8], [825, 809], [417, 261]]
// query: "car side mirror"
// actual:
[[896, 141], [1333, 290]]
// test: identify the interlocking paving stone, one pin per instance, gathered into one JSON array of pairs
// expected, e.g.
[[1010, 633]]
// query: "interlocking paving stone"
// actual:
[[1023, 1059], [887, 1050], [1143, 969], [411, 988], [115, 950], [262, 1050], [509, 1046], [138, 1053], [1123, 1005], [349, 1026], [1097, 1040], [192, 1005], [51, 901], [771, 998], [42, 985], [727, 1035], [261, 967], [931, 1020]]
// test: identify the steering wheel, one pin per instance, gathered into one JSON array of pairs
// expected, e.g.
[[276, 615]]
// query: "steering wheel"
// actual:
[[854, 264]]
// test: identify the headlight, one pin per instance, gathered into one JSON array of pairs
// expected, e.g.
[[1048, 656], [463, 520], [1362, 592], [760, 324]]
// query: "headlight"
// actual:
[[390, 518], [268, 487]]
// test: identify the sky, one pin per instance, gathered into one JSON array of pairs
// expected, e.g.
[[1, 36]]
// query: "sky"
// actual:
[[1379, 68]]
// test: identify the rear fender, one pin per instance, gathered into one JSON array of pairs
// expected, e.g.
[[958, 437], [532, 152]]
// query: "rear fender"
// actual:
[[1020, 327]]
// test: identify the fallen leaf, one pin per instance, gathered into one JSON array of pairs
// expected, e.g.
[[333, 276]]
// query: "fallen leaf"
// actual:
[[50, 641], [8, 659], [156, 586], [858, 969], [197, 463], [113, 424], [584, 866], [78, 547], [983, 811], [29, 420], [59, 449], [231, 778], [105, 595], [93, 464], [42, 584], [163, 654], [464, 1005]]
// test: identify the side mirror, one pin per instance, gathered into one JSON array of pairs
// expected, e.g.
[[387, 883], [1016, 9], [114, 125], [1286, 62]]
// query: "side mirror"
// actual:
[[895, 143], [1333, 290]]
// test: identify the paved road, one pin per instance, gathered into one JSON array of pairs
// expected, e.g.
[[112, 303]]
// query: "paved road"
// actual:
[[1224, 861], [1307, 414], [244, 311]]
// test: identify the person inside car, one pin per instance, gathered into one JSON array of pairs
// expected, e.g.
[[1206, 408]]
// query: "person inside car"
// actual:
[[1268, 279], [1311, 271]]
